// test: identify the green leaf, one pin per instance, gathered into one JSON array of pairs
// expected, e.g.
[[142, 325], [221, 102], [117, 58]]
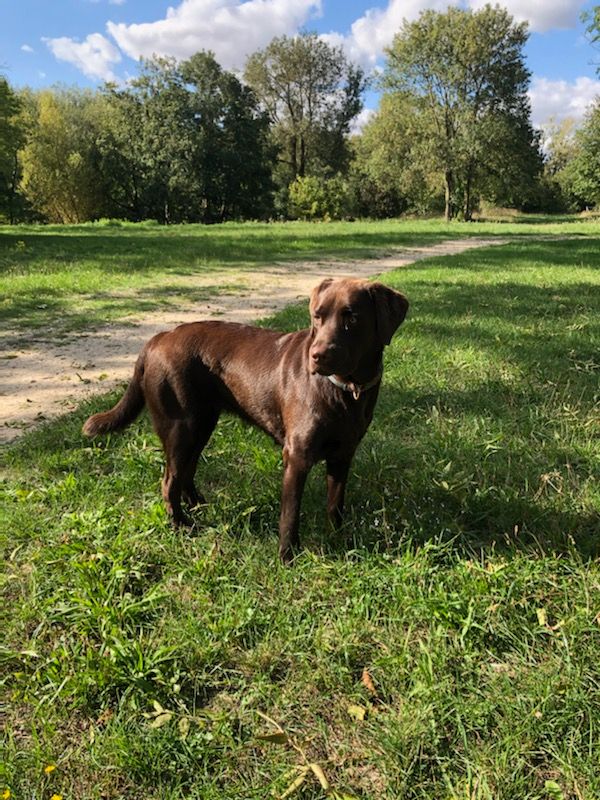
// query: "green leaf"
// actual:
[[357, 712], [554, 790]]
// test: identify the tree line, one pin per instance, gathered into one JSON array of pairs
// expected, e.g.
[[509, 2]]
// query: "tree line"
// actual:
[[192, 142]]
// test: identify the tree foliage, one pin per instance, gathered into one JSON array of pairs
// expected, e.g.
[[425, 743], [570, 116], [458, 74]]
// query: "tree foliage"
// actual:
[[59, 165], [462, 86], [234, 150], [187, 142], [392, 155], [591, 18], [182, 142], [580, 177], [313, 197], [311, 93], [11, 138]]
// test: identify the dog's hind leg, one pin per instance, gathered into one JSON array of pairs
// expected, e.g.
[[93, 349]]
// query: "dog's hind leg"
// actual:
[[183, 440], [337, 475], [206, 423]]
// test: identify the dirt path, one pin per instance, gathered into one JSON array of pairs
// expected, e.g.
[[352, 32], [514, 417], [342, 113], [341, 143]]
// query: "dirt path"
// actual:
[[52, 375]]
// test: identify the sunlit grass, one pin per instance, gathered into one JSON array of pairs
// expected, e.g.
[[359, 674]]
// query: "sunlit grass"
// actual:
[[74, 276]]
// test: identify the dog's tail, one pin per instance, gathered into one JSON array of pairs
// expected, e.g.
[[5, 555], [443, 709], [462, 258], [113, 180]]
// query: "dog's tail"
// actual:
[[126, 410]]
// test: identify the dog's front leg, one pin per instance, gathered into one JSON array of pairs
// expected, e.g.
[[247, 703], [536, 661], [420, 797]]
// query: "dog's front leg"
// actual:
[[295, 469]]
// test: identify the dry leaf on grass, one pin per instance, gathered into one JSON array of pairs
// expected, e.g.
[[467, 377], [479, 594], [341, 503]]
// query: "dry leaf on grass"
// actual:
[[367, 681]]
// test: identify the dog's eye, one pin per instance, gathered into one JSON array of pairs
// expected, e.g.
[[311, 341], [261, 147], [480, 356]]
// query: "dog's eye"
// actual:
[[349, 321]]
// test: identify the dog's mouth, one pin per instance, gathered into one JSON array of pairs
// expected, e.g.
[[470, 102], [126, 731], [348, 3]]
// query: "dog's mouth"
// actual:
[[328, 368], [321, 369]]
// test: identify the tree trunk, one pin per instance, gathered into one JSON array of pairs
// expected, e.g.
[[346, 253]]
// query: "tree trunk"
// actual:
[[467, 202], [449, 182], [13, 190], [302, 169], [293, 156], [467, 199]]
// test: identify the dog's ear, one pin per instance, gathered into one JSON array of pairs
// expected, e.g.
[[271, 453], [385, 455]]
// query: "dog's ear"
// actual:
[[314, 295], [390, 310]]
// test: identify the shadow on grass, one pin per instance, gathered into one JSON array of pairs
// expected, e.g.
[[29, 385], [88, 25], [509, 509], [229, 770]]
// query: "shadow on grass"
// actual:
[[72, 262], [96, 274], [179, 253], [181, 250], [53, 309]]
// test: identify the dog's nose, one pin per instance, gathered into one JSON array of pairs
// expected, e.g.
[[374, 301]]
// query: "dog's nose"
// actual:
[[321, 358], [320, 353]]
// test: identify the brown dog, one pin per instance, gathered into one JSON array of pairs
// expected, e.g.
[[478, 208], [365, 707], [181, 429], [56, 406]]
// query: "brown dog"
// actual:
[[313, 391]]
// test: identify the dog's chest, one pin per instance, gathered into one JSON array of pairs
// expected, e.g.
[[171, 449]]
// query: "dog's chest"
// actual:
[[337, 433]]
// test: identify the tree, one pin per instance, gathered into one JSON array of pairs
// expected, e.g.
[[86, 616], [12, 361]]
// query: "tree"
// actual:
[[311, 93], [128, 187], [313, 197], [591, 19], [59, 160], [392, 160], [11, 138], [463, 83], [152, 138], [559, 144], [186, 142], [234, 154], [580, 178]]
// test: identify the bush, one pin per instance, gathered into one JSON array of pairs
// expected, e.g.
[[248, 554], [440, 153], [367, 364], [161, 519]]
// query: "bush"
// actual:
[[312, 198]]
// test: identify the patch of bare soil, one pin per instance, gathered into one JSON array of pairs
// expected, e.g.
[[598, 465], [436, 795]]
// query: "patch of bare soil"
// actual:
[[50, 375]]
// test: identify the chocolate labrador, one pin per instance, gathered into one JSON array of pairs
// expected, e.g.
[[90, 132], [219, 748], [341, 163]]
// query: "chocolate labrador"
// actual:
[[313, 391]]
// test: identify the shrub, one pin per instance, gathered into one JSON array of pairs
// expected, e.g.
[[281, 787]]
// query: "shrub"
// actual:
[[312, 197]]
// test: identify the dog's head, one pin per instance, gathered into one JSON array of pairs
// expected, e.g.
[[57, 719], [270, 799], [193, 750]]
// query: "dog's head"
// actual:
[[351, 322]]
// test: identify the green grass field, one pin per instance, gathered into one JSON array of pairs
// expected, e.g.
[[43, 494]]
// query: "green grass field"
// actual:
[[446, 644], [80, 275]]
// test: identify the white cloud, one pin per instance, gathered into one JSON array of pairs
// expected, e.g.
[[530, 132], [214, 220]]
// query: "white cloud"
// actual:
[[26, 48], [560, 99], [233, 29], [230, 28], [374, 31], [361, 120], [116, 2], [94, 56], [542, 15]]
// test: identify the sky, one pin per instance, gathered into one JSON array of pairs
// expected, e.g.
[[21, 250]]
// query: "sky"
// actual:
[[86, 42]]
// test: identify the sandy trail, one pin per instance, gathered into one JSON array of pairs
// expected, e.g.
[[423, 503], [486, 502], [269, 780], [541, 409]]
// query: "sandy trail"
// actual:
[[50, 375]]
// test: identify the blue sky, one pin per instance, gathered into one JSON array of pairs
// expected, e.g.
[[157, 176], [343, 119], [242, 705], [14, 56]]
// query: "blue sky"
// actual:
[[87, 41]]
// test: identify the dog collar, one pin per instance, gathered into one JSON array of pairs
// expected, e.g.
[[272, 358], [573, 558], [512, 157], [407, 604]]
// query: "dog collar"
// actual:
[[357, 388]]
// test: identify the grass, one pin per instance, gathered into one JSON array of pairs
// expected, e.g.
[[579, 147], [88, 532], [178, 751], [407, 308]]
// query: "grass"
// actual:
[[444, 645], [81, 275]]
